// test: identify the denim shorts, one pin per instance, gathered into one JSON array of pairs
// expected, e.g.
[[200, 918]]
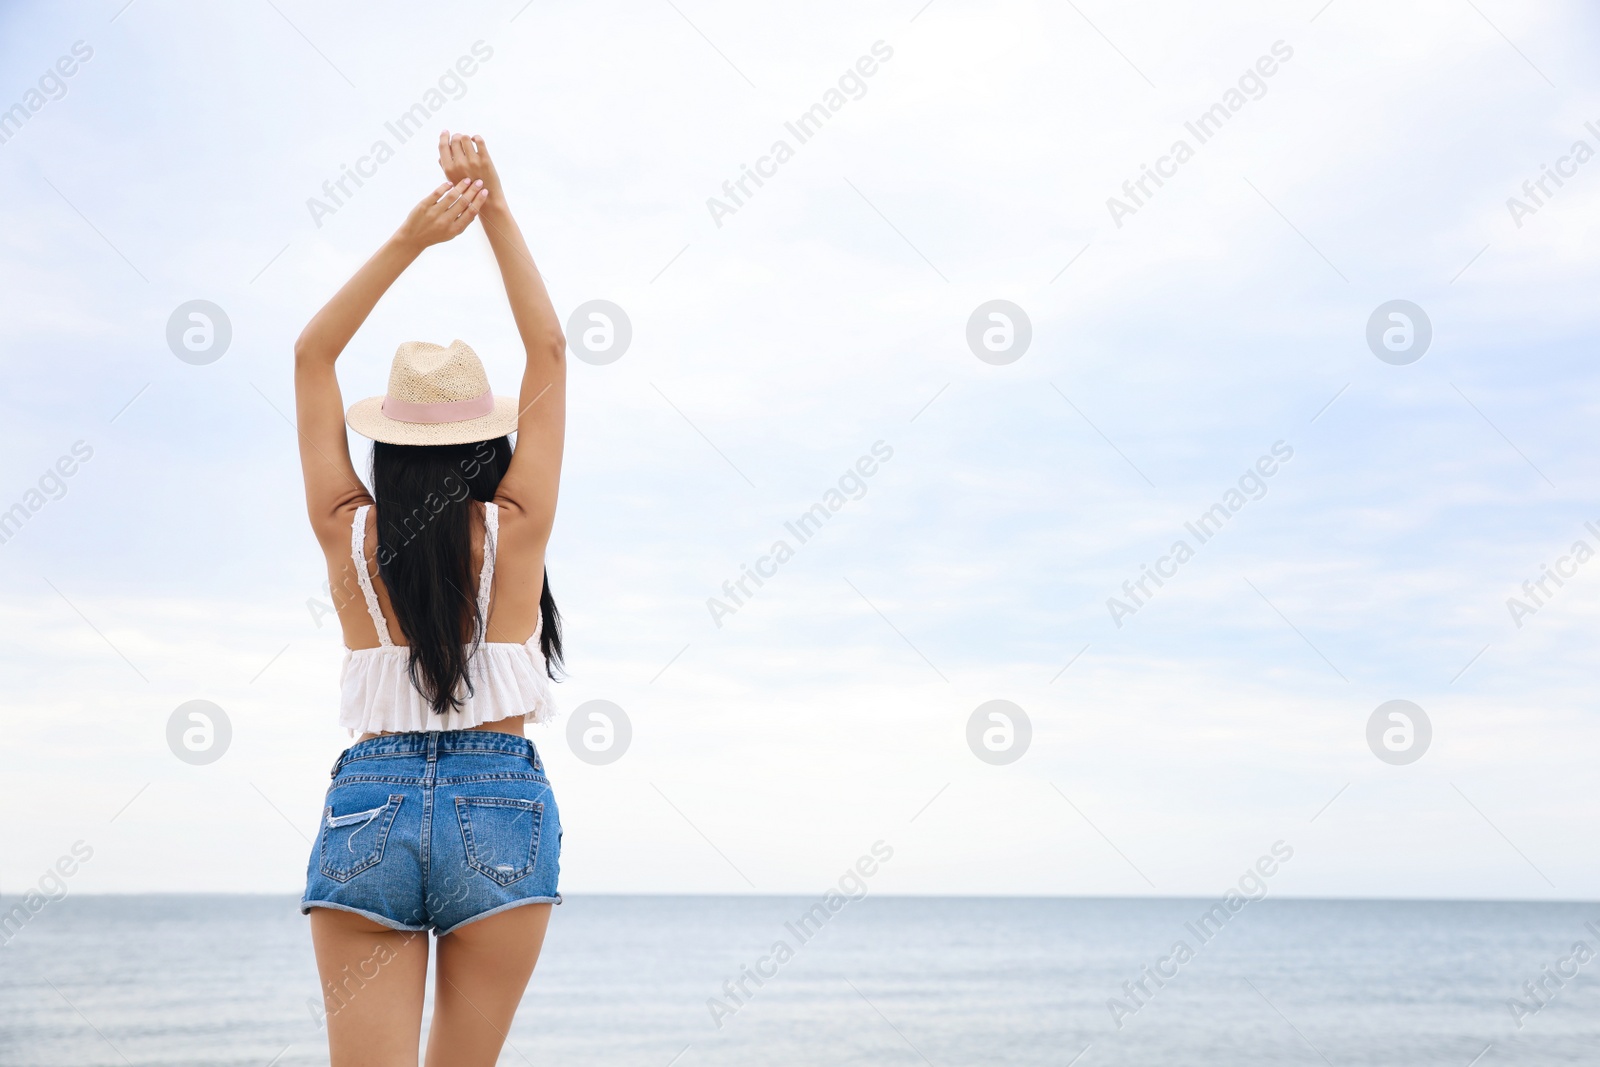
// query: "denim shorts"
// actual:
[[429, 831]]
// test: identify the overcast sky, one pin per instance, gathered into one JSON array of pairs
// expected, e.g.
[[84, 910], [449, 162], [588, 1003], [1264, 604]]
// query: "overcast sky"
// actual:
[[1172, 347]]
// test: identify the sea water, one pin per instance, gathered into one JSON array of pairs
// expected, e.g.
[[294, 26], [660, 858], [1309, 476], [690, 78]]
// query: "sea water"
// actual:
[[639, 981]]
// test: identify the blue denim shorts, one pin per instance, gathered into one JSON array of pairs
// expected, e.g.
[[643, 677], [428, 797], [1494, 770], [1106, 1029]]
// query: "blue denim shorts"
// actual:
[[429, 831]]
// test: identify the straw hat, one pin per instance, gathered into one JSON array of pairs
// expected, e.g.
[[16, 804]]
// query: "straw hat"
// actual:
[[437, 396]]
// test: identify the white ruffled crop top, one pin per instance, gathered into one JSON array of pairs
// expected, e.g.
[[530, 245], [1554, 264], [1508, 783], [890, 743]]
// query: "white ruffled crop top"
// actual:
[[508, 679]]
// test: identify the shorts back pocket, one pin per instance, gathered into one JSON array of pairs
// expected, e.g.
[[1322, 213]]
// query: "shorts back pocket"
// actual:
[[353, 843], [501, 835]]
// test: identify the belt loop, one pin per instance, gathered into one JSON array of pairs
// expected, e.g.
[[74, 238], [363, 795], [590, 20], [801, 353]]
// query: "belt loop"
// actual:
[[533, 755], [433, 748], [337, 763]]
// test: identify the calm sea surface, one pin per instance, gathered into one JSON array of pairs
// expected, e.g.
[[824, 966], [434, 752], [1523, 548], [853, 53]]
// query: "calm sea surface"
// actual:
[[181, 980]]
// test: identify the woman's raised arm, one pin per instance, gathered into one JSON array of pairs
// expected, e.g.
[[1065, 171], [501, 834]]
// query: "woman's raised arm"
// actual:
[[332, 487], [531, 483]]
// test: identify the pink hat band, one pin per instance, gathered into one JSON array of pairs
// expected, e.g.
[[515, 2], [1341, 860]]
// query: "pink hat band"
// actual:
[[439, 411]]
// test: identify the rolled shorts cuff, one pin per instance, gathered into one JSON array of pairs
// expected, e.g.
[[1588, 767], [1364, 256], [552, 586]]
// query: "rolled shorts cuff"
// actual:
[[496, 911], [381, 920]]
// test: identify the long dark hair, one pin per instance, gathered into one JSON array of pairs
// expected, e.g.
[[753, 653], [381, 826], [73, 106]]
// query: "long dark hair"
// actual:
[[423, 495]]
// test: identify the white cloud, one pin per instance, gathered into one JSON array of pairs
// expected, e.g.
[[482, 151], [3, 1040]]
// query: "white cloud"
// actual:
[[806, 328]]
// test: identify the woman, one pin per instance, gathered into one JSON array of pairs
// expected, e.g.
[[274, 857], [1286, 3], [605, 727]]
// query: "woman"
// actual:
[[439, 816]]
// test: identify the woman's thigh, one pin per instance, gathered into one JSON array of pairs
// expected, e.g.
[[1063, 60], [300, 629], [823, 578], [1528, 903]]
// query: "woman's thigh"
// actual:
[[482, 970], [372, 988]]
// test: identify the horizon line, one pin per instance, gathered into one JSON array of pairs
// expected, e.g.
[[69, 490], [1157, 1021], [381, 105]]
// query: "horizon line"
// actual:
[[903, 896]]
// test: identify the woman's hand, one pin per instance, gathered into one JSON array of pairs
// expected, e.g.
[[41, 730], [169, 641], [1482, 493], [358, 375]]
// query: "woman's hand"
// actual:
[[468, 157], [443, 214]]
